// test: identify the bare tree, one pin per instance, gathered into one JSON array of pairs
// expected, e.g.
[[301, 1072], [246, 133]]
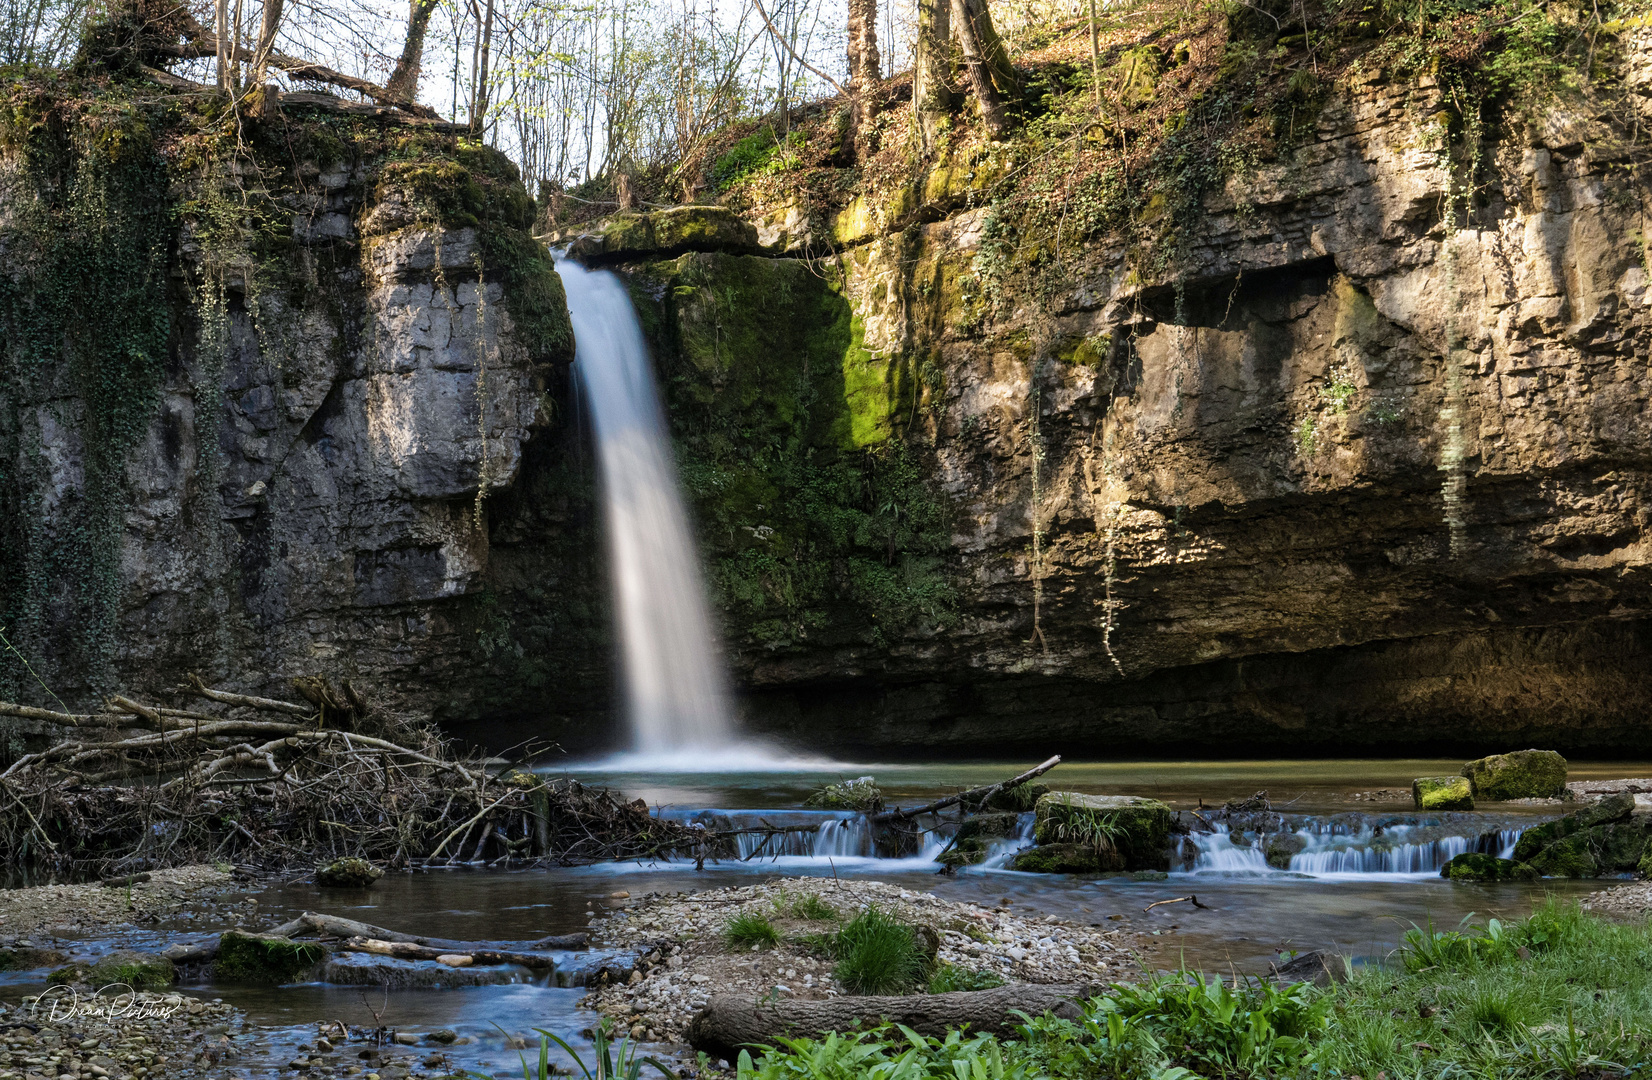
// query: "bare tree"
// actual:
[[933, 97], [987, 62], [404, 80]]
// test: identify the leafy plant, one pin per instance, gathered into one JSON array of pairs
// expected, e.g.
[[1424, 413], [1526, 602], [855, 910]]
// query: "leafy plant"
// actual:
[[609, 1060], [749, 929], [878, 954]]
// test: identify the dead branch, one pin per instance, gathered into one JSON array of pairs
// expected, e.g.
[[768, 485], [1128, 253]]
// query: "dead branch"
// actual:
[[973, 795]]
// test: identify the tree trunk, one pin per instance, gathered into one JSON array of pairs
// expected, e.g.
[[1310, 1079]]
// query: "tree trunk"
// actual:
[[864, 63], [728, 1023], [404, 81], [991, 75], [933, 98], [479, 107]]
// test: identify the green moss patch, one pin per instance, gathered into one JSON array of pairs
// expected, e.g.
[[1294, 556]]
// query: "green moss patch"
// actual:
[[140, 971], [1137, 830], [1473, 866], [1442, 793], [1065, 859], [1524, 774], [257, 958]]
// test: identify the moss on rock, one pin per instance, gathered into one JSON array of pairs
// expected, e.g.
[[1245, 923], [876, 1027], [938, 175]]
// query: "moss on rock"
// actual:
[[1137, 829], [1065, 858], [348, 874], [1613, 808], [139, 970], [1523, 774], [1442, 793], [1281, 848], [260, 958], [1475, 866]]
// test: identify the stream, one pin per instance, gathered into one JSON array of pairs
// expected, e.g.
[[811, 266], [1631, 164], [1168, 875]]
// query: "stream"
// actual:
[[1368, 870]]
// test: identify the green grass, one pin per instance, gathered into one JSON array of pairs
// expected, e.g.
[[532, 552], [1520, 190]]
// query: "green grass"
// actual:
[[749, 929], [1560, 994], [877, 954], [949, 977], [811, 907]]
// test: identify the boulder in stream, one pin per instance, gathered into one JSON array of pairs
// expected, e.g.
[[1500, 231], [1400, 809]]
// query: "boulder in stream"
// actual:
[[976, 836], [263, 958], [348, 874], [1125, 831], [1609, 837], [1442, 793], [1478, 866], [1523, 774], [139, 970], [1065, 859]]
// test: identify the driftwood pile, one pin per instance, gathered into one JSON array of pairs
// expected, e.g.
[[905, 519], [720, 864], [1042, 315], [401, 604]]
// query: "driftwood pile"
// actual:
[[273, 784]]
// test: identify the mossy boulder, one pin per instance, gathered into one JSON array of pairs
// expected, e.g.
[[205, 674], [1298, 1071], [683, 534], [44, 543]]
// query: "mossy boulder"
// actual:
[[1137, 829], [139, 970], [1476, 866], [1601, 849], [1613, 808], [1017, 799], [1065, 859], [1524, 774], [976, 837], [263, 958], [1442, 793], [1281, 848], [348, 874]]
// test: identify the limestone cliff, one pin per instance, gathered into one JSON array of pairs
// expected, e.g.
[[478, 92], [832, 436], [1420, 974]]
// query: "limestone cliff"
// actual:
[[271, 394], [1351, 470]]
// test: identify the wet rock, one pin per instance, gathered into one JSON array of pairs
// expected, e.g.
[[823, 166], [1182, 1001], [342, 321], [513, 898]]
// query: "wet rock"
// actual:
[[1280, 848], [861, 793], [1523, 774], [1065, 859], [1135, 829], [667, 232], [1442, 793], [366, 969], [1476, 866], [976, 835], [1602, 849], [1611, 809], [138, 970], [263, 958], [348, 874]]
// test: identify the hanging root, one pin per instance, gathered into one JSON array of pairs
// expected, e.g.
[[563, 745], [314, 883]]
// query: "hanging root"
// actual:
[[274, 784]]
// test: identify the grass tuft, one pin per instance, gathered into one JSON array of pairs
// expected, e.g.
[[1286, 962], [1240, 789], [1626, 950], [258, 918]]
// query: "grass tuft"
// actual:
[[878, 954], [748, 929], [811, 907]]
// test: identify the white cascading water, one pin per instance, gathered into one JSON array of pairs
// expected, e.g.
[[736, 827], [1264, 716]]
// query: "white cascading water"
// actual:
[[676, 695]]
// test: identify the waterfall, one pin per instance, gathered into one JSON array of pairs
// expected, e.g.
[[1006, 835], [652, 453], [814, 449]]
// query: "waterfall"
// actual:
[[676, 696]]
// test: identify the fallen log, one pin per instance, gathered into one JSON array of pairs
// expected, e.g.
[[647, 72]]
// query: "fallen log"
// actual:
[[974, 795], [348, 929], [729, 1023], [404, 950]]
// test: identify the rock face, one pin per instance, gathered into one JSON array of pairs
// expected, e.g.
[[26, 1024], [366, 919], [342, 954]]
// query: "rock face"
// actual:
[[1353, 476], [331, 471]]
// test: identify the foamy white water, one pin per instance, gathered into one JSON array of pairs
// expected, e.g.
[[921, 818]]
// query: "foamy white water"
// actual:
[[676, 693]]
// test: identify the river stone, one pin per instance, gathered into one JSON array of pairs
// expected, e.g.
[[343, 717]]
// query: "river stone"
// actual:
[[1281, 847], [1442, 793], [139, 970], [263, 958], [1065, 859], [367, 969], [348, 874], [1476, 866], [1137, 829], [976, 835], [1524, 774], [1600, 849], [1612, 808]]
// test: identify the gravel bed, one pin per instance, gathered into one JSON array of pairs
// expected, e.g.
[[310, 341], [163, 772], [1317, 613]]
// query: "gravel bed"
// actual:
[[684, 960], [148, 1035], [1630, 898], [181, 892]]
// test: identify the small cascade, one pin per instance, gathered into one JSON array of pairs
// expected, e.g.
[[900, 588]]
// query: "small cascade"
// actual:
[[1001, 852], [814, 834], [1332, 849]]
